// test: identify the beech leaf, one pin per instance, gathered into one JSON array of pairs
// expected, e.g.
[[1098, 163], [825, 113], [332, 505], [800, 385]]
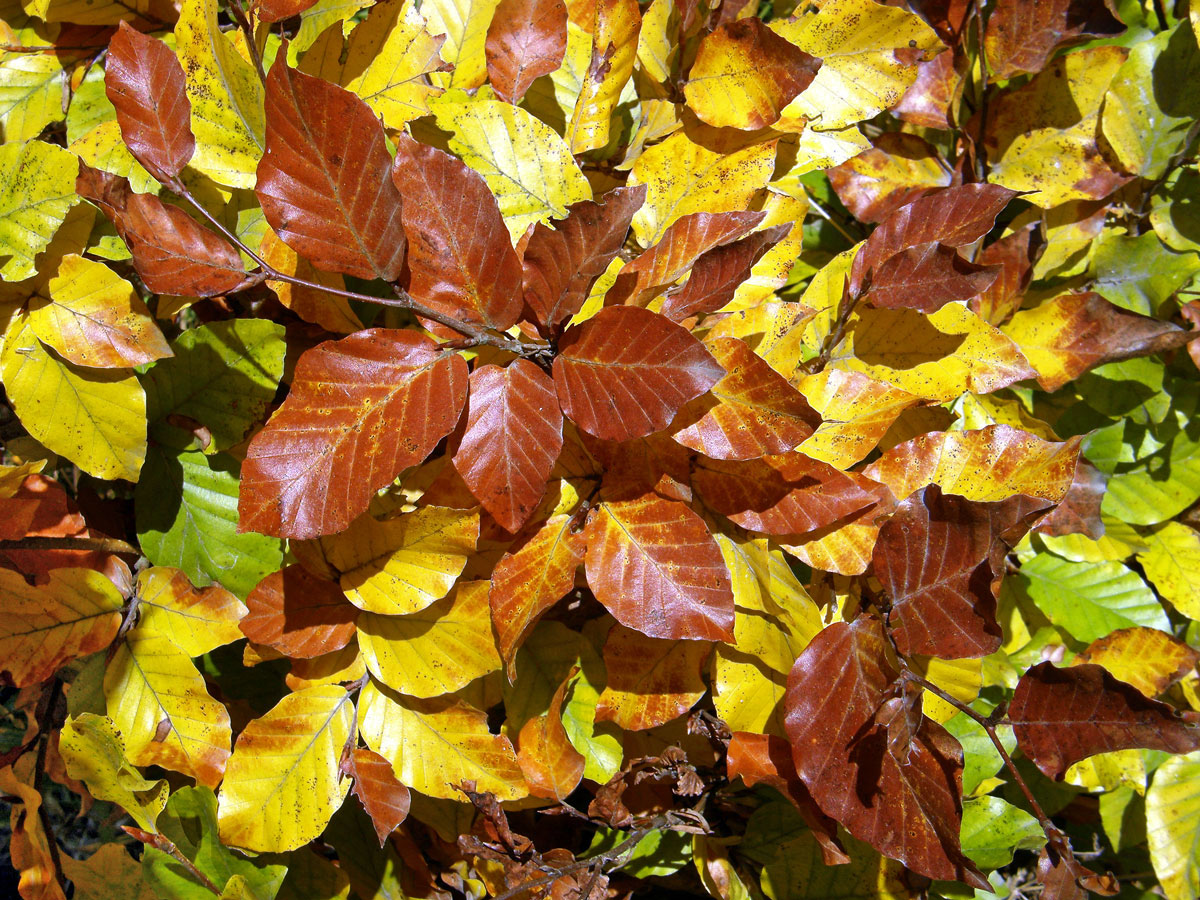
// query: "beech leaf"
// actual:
[[384, 798], [299, 614], [526, 39]]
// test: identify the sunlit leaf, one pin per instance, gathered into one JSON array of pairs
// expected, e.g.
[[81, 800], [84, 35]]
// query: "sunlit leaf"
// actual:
[[93, 751], [38, 191], [196, 620], [1173, 823], [384, 798], [1146, 658], [650, 681]]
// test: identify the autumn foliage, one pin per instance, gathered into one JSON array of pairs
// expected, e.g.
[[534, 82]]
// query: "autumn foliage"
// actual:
[[635, 448]]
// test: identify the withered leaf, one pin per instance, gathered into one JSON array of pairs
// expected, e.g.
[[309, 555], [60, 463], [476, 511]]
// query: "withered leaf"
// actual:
[[299, 614], [382, 795], [1021, 36], [526, 39], [927, 277]]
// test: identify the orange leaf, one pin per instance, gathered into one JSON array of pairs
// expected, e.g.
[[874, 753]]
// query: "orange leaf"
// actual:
[[650, 681], [552, 766], [384, 798], [299, 614]]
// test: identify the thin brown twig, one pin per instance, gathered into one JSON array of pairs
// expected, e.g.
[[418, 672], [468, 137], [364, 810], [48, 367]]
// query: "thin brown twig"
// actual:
[[981, 163], [600, 860], [45, 713], [243, 24], [103, 545], [166, 845]]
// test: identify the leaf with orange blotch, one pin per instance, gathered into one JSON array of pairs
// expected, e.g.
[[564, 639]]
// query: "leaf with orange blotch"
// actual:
[[361, 409], [935, 93], [908, 805], [1061, 716], [927, 277], [561, 263], [277, 10], [461, 260], [324, 179], [1146, 658], [144, 82], [718, 274], [755, 411], [993, 463], [613, 26], [331, 312], [29, 846], [384, 798], [650, 681], [898, 169], [654, 565], [1014, 255], [626, 372], [844, 547], [513, 436], [1022, 36], [533, 575], [526, 39], [173, 253], [196, 620], [77, 612], [745, 74], [785, 494], [299, 614], [1067, 336], [552, 765], [856, 411]]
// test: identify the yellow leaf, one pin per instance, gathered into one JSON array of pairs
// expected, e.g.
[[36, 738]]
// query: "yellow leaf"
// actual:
[[1172, 563], [1147, 658], [31, 92], [339, 667], [28, 847], [856, 411], [1109, 771], [104, 148], [811, 150], [226, 96], [37, 189], [525, 164], [846, 549], [437, 744], [976, 411], [96, 877], [282, 783], [465, 25], [12, 477], [401, 565], [77, 612], [960, 678], [331, 312], [655, 42], [196, 620], [1173, 826], [861, 73], [94, 417], [613, 26], [436, 651], [99, 12], [771, 272], [158, 699], [94, 753], [683, 177]]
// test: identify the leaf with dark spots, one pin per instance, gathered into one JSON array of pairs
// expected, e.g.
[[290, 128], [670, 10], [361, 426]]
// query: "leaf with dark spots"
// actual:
[[897, 170], [927, 277], [908, 809], [930, 101], [718, 273], [1021, 36], [526, 39], [299, 614], [1061, 716]]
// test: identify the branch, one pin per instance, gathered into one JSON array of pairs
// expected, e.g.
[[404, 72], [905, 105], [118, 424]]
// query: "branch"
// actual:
[[601, 861], [243, 23], [103, 545], [45, 719], [164, 844]]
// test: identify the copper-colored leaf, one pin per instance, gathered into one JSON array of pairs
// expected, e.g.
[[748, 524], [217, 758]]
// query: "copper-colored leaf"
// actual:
[[756, 412], [898, 169], [513, 437], [361, 410], [1079, 511], [551, 764], [41, 508], [527, 39], [461, 259], [786, 494], [654, 565], [562, 262], [626, 372], [650, 681], [276, 10], [144, 81], [929, 101], [173, 253], [1021, 35], [718, 273], [927, 277], [908, 808], [1014, 255], [382, 795], [1061, 716], [299, 614], [324, 179]]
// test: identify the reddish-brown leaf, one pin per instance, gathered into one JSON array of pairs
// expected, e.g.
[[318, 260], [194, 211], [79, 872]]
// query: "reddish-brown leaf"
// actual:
[[626, 372], [174, 254], [654, 565], [361, 409], [144, 82], [908, 808], [756, 411], [1079, 511], [927, 277], [530, 578], [929, 101], [276, 10], [299, 614], [548, 759], [650, 681], [41, 508], [527, 39], [461, 259], [382, 795], [898, 169], [324, 179], [1061, 716], [953, 216], [562, 262], [1022, 35], [785, 494], [1014, 255], [513, 437], [717, 274]]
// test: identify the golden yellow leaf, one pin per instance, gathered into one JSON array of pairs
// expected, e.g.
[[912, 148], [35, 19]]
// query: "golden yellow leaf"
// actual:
[[37, 192], [29, 847], [856, 411], [331, 312], [104, 148], [94, 753], [196, 620], [960, 678], [975, 411], [31, 89], [12, 477], [1109, 771], [655, 42], [771, 272], [282, 783], [844, 549], [465, 25], [811, 150], [613, 26], [1149, 659]]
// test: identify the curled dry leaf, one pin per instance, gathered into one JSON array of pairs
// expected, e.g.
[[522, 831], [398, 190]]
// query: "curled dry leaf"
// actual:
[[382, 795]]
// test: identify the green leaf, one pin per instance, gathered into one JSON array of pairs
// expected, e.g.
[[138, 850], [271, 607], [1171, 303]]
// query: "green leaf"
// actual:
[[1175, 210], [186, 510], [374, 873], [1173, 826], [37, 188], [1163, 485], [980, 757], [798, 872], [1172, 563], [658, 853], [994, 829], [1091, 600], [1139, 273]]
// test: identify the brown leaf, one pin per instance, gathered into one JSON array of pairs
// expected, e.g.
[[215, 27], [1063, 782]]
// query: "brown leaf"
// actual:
[[718, 273], [41, 508], [756, 412], [1079, 511], [299, 614], [626, 372], [461, 259], [324, 181], [897, 170], [513, 436], [361, 410], [561, 263], [144, 82], [173, 253], [909, 810], [656, 568], [1021, 35], [1014, 255], [382, 795], [927, 277], [551, 764], [276, 10], [527, 39], [929, 101], [650, 681], [1061, 716]]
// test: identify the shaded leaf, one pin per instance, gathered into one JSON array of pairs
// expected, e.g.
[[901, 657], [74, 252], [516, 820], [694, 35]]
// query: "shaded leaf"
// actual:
[[719, 273], [299, 614], [650, 681], [927, 277], [527, 39], [552, 766]]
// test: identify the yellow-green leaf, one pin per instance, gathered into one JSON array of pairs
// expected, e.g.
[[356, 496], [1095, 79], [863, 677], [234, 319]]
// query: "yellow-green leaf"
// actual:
[[94, 753], [37, 188], [1172, 563], [31, 89], [1173, 826], [465, 25]]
